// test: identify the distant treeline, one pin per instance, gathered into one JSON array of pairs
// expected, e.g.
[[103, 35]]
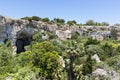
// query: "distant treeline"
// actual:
[[60, 21]]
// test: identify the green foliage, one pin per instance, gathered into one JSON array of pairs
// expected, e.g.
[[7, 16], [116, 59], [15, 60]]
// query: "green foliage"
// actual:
[[7, 43], [117, 24], [87, 67], [46, 19], [118, 49], [36, 18], [41, 59], [24, 73], [109, 50], [91, 41], [6, 61], [58, 21], [114, 62], [95, 49], [27, 18], [52, 36], [37, 37], [90, 22], [46, 58], [93, 23], [71, 22], [104, 24], [75, 36]]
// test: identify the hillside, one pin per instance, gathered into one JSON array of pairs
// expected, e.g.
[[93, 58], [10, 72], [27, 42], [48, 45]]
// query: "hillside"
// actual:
[[39, 49]]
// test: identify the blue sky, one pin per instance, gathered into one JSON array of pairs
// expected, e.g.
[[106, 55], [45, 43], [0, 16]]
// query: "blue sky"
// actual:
[[79, 10]]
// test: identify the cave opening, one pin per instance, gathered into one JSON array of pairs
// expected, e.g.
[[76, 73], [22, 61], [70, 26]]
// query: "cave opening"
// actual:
[[22, 41]]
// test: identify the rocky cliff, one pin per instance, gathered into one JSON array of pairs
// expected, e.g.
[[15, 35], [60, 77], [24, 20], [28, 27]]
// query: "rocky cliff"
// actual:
[[16, 29], [20, 31]]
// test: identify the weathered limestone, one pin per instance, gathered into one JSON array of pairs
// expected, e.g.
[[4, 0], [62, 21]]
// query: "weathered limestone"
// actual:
[[105, 74], [96, 58], [115, 33], [63, 35], [18, 31], [99, 72], [62, 62]]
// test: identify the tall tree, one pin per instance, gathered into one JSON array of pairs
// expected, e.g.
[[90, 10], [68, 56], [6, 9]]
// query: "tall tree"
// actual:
[[72, 51]]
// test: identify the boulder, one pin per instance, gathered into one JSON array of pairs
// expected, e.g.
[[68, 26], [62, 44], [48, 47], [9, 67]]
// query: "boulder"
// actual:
[[95, 56], [103, 74], [99, 72]]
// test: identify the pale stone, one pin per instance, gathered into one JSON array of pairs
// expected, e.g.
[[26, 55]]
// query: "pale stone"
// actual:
[[62, 62], [99, 72], [95, 56]]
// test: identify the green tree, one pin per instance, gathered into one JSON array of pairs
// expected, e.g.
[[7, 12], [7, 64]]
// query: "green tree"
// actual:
[[90, 23], [36, 18], [46, 58], [97, 24], [58, 20], [71, 22], [117, 24], [72, 51], [46, 19], [105, 24], [27, 18]]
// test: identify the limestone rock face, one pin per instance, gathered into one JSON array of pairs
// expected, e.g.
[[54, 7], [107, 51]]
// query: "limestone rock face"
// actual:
[[115, 33], [14, 29], [3, 32], [63, 35], [18, 31], [105, 74]]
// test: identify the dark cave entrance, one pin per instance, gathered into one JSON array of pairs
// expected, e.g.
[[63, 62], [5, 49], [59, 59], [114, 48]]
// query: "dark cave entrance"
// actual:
[[23, 40], [21, 43]]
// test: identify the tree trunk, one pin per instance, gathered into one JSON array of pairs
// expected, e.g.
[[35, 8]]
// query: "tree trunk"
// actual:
[[71, 74]]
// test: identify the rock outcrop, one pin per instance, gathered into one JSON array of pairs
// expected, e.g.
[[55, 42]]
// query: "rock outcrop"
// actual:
[[115, 32], [105, 74], [96, 58], [18, 31]]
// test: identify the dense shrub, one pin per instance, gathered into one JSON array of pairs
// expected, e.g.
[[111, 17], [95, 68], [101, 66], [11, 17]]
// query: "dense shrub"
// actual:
[[91, 41], [87, 66]]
